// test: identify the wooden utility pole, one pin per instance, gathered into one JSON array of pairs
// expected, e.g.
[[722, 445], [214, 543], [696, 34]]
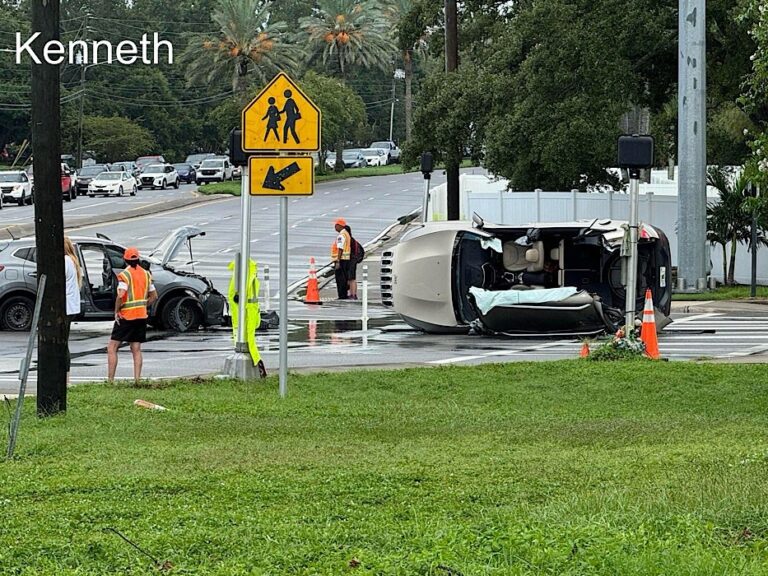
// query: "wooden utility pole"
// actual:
[[49, 221], [452, 161]]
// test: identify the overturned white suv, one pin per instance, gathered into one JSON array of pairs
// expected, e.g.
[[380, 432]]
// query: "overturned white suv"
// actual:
[[539, 279]]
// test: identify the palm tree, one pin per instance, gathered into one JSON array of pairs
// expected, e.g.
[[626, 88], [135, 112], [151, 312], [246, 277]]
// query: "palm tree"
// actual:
[[727, 220], [411, 39], [247, 42], [345, 34]]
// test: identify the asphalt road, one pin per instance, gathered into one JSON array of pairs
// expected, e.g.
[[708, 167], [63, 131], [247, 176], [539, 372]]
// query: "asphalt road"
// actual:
[[83, 206], [369, 205], [330, 337]]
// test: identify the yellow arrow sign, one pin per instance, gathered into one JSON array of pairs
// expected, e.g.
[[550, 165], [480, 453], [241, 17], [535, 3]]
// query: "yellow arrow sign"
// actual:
[[281, 176], [280, 118]]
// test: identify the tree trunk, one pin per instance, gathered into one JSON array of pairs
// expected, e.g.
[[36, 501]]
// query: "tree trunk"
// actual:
[[732, 266], [339, 167], [408, 59], [49, 222], [725, 263]]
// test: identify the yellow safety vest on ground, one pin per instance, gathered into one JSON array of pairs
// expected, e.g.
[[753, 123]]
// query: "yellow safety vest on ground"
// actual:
[[252, 309]]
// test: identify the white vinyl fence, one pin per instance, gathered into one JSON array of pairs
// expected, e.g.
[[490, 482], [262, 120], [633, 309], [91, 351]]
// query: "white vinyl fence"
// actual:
[[490, 199]]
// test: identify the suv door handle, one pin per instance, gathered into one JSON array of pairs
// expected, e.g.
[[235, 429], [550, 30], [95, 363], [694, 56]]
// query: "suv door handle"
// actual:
[[32, 274]]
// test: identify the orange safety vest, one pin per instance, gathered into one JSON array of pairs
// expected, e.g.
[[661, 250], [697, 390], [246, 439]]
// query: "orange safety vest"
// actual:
[[346, 250], [134, 301]]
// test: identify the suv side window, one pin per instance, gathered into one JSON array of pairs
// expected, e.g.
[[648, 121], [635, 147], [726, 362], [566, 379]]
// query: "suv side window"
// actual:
[[28, 254]]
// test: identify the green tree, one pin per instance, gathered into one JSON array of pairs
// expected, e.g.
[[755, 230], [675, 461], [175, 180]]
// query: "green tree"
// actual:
[[115, 138], [343, 111], [446, 123], [346, 33], [247, 42], [728, 220], [411, 19]]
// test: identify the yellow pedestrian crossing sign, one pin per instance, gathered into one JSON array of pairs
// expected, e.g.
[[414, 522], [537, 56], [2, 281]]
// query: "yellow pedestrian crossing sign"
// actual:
[[281, 118], [281, 175]]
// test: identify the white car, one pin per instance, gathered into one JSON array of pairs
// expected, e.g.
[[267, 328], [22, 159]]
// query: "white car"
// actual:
[[15, 186], [112, 184], [375, 156], [214, 170], [159, 176], [393, 152]]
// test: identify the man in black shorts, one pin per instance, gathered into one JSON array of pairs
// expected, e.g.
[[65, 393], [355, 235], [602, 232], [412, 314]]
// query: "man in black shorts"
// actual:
[[135, 293]]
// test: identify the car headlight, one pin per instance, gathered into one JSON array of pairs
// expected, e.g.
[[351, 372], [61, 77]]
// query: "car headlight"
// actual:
[[17, 188]]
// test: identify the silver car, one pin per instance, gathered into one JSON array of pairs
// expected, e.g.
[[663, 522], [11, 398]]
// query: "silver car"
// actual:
[[185, 302]]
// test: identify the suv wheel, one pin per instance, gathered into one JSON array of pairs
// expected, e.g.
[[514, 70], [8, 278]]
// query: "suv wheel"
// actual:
[[180, 314], [133, 192], [120, 191], [176, 184], [163, 185], [16, 314], [68, 197]]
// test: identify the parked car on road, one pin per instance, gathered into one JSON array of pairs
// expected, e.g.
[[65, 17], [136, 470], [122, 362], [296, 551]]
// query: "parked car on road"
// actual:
[[186, 172], [159, 176], [214, 170], [15, 186], [87, 174], [112, 184], [352, 158], [540, 279], [185, 300], [196, 159], [143, 161], [126, 166], [375, 156], [393, 152], [68, 186]]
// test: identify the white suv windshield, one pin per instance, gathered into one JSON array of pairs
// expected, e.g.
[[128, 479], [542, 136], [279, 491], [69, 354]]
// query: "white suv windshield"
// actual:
[[11, 178], [212, 164], [384, 145], [155, 169], [108, 176]]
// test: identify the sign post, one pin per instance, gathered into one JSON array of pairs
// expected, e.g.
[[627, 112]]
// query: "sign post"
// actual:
[[280, 126], [635, 154], [239, 364]]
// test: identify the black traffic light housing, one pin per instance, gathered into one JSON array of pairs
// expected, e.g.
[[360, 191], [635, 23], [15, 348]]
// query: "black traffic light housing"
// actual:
[[635, 153], [427, 164], [236, 154]]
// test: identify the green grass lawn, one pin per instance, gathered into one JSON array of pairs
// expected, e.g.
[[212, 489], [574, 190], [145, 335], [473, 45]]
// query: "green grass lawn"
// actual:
[[233, 188], [724, 293], [563, 468]]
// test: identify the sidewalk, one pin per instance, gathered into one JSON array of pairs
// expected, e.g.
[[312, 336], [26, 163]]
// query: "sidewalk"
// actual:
[[326, 280], [719, 306]]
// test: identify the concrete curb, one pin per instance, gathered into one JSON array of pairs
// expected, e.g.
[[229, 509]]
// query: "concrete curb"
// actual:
[[16, 231]]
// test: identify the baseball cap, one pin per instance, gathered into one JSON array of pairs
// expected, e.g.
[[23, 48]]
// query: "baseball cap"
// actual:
[[131, 253], [340, 222]]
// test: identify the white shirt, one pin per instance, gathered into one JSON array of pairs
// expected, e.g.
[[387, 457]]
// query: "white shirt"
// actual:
[[72, 289]]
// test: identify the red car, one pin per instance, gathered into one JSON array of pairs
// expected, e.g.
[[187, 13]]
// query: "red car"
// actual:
[[67, 184]]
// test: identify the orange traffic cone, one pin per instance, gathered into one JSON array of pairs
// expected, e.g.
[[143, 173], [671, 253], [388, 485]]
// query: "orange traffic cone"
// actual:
[[584, 350], [313, 294], [648, 331]]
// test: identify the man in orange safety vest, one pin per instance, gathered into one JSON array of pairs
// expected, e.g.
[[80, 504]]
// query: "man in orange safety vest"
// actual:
[[135, 293], [340, 253]]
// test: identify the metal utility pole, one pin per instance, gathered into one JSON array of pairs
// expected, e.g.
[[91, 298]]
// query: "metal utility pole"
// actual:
[[451, 64], [81, 58], [49, 221], [692, 145]]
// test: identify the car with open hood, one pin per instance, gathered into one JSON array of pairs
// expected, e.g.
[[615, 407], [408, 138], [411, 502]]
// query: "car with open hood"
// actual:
[[538, 279], [185, 302]]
